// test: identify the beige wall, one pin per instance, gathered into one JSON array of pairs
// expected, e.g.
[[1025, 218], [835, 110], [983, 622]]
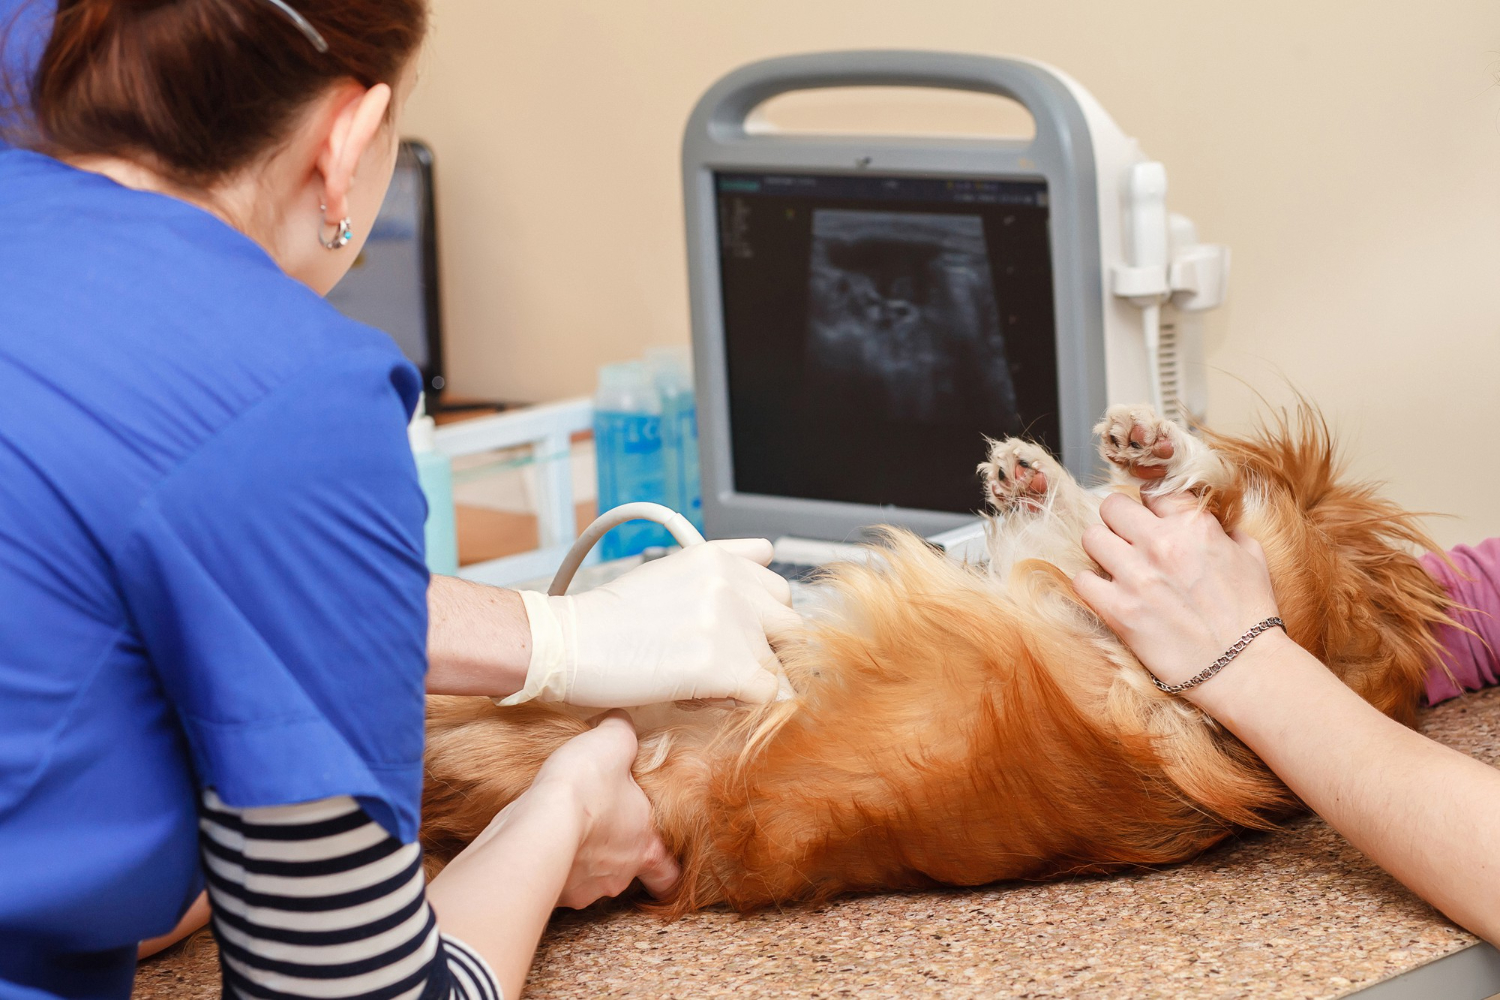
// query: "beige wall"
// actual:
[[1348, 152]]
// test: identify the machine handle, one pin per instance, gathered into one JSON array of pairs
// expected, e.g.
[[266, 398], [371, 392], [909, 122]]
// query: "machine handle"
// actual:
[[723, 110]]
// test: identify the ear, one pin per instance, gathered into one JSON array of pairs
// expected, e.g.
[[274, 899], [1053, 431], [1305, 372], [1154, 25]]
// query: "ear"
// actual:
[[356, 124]]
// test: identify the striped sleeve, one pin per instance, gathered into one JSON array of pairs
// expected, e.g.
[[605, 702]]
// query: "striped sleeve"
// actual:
[[318, 901]]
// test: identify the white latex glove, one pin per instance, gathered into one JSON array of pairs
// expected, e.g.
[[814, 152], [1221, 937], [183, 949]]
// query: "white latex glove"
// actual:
[[691, 625]]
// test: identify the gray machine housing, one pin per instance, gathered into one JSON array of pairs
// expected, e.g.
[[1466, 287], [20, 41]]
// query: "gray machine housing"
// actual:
[[1065, 151]]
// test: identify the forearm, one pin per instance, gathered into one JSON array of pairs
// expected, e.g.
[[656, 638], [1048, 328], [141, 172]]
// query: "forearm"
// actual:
[[194, 919], [497, 894], [478, 639], [1426, 813], [318, 900]]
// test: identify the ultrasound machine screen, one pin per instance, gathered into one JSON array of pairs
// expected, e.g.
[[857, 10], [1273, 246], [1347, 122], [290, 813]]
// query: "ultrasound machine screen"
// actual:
[[877, 327], [393, 283]]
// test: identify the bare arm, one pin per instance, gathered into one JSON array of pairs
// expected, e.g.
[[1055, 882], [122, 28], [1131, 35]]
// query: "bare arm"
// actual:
[[194, 919], [583, 830], [316, 899], [1183, 591], [691, 625], [497, 895], [478, 639], [1424, 812]]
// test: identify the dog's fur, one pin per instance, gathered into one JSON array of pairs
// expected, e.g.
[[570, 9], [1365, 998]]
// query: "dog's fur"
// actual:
[[960, 725]]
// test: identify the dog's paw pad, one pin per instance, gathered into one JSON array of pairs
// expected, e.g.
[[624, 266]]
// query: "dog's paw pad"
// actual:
[[1018, 475], [1137, 440]]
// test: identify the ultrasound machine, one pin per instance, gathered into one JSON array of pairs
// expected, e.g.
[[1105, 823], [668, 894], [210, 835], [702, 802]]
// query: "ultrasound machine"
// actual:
[[393, 284], [865, 310]]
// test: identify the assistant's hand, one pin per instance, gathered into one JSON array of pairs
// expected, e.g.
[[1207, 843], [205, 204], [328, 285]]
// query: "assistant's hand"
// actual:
[[619, 840], [582, 830], [692, 625], [1182, 590]]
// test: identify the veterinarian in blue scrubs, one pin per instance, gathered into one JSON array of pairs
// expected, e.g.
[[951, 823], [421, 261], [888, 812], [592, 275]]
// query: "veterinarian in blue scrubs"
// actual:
[[214, 610]]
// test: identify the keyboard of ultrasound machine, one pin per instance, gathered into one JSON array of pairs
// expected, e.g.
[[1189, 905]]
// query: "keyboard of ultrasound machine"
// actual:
[[799, 560]]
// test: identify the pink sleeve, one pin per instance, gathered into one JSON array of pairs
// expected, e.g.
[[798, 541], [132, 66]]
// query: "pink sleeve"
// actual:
[[1475, 589]]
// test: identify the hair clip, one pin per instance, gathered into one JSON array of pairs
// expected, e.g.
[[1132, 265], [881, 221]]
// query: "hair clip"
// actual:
[[303, 25]]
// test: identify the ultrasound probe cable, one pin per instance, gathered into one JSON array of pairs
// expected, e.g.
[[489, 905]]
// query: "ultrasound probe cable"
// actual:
[[681, 528]]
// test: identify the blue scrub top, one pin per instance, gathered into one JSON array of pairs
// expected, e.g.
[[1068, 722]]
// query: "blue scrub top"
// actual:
[[24, 28], [211, 564]]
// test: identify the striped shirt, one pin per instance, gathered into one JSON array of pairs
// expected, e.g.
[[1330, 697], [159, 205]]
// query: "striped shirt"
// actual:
[[318, 900]]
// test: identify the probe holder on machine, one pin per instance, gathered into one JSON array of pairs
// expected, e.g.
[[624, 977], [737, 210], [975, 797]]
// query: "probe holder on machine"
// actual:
[[1124, 272]]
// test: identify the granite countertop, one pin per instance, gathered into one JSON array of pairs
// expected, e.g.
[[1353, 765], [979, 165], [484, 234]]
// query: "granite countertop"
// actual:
[[1294, 914]]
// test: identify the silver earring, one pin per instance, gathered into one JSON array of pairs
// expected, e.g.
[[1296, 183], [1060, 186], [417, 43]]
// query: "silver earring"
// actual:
[[341, 238]]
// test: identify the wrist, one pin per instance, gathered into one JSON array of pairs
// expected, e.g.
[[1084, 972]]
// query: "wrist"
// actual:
[[1256, 678], [552, 805], [477, 638], [551, 627], [559, 799]]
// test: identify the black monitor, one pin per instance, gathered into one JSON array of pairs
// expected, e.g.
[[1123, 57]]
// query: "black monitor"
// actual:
[[393, 285], [876, 328]]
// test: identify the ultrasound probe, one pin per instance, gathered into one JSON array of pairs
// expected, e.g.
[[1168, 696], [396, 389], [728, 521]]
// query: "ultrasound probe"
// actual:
[[680, 527]]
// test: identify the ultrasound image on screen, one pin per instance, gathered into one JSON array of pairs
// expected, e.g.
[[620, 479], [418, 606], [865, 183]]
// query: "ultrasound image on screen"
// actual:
[[878, 328], [902, 314]]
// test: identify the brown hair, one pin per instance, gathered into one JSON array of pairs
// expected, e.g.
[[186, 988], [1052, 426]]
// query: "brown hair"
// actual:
[[198, 89]]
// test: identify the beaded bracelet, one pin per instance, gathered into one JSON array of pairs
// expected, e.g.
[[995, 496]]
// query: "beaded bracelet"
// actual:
[[1223, 661]]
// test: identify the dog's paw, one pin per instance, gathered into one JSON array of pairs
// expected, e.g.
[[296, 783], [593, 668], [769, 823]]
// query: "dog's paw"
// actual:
[[1137, 440], [1018, 475]]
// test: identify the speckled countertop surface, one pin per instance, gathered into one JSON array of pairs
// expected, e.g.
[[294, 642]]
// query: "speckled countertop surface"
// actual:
[[1295, 914]]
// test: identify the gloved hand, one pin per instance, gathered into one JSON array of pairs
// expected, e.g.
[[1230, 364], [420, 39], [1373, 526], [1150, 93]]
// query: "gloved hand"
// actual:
[[691, 625]]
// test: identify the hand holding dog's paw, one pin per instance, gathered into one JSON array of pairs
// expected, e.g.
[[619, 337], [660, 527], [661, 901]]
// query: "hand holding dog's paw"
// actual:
[[1181, 590]]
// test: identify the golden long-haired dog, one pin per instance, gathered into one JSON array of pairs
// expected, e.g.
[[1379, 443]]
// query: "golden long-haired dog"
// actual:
[[960, 725]]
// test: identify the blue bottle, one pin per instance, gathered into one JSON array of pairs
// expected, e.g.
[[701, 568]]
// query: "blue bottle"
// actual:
[[672, 370], [629, 456], [435, 473]]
